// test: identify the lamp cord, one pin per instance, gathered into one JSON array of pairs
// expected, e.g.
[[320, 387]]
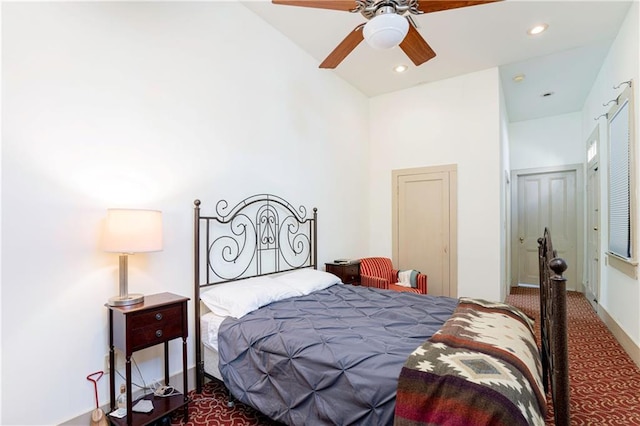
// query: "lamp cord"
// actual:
[[157, 388]]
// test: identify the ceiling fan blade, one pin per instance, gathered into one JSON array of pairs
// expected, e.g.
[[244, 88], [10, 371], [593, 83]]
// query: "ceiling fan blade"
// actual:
[[416, 48], [346, 5], [344, 48], [428, 6]]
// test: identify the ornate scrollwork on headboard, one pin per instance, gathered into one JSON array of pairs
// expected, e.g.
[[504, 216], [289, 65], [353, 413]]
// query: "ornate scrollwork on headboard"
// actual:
[[262, 234]]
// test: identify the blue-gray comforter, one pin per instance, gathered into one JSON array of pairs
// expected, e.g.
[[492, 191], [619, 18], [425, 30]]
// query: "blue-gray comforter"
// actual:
[[331, 357]]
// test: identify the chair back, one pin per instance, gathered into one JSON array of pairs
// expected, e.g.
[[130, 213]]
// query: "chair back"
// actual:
[[380, 267]]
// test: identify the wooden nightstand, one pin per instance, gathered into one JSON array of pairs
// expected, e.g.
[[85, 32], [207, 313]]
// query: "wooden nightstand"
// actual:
[[349, 273], [160, 318]]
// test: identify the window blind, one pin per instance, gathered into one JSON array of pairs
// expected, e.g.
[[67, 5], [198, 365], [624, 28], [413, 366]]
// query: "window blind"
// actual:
[[619, 183]]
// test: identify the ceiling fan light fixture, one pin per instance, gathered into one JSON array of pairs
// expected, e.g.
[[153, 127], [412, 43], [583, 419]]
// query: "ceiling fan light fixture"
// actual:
[[386, 30]]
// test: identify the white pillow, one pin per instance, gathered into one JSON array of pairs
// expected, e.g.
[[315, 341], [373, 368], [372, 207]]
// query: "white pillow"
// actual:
[[306, 281], [238, 298]]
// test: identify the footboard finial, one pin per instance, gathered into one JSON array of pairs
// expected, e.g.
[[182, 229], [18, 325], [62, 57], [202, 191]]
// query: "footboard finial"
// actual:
[[558, 265]]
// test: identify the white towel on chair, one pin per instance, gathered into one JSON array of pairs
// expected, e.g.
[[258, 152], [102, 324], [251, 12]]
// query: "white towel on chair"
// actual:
[[408, 278]]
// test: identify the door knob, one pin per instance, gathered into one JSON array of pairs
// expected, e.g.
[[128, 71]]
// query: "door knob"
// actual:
[[595, 228], [521, 240]]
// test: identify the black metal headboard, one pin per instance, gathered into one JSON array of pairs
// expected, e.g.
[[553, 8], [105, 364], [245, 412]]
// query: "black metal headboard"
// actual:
[[261, 235]]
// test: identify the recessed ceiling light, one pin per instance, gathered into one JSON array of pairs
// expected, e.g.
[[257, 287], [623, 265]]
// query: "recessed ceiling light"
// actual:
[[518, 78], [400, 68], [540, 28]]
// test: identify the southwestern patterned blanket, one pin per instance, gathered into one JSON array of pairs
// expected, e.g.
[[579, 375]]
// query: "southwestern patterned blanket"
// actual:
[[482, 368]]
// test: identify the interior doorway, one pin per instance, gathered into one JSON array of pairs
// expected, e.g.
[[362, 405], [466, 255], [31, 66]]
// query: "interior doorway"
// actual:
[[549, 198], [424, 220]]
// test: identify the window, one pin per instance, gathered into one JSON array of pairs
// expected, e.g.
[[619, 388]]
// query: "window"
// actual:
[[621, 185], [592, 151]]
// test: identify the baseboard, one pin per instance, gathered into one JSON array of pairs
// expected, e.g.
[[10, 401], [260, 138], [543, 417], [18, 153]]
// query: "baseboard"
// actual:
[[176, 380], [524, 285], [623, 338]]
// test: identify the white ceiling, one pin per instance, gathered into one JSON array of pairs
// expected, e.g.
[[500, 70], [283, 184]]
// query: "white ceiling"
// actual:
[[564, 60]]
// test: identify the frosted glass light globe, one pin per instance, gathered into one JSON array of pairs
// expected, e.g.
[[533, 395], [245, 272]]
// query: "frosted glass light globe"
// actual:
[[386, 31]]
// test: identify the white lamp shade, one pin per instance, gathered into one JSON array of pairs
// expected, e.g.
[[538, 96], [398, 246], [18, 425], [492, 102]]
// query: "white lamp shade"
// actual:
[[386, 31], [133, 231]]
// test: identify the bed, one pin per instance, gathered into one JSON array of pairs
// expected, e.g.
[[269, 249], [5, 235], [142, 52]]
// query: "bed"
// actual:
[[303, 348]]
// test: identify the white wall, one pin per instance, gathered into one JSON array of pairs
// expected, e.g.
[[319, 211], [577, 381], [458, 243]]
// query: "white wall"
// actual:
[[505, 198], [148, 105], [453, 121], [619, 294], [547, 142], [1, 328]]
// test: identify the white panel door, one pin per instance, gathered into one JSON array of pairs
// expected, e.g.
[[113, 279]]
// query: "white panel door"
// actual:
[[546, 200], [422, 225]]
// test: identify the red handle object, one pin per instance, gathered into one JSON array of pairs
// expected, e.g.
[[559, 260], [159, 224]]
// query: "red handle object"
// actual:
[[92, 378]]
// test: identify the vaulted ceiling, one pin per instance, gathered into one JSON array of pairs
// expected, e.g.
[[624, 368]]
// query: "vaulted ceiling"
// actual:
[[562, 62]]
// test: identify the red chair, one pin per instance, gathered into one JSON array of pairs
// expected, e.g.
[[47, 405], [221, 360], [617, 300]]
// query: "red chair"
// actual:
[[378, 272]]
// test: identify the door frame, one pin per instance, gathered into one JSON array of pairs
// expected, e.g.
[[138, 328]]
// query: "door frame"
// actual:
[[452, 170], [593, 164], [580, 213]]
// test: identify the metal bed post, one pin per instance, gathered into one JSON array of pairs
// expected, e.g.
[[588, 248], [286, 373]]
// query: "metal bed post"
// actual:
[[196, 276], [544, 340], [315, 238], [560, 382], [554, 351]]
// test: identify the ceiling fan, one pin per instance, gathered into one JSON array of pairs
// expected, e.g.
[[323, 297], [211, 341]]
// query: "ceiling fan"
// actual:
[[388, 24]]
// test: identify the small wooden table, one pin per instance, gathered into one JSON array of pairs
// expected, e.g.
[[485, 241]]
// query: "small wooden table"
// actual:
[[349, 273], [160, 318]]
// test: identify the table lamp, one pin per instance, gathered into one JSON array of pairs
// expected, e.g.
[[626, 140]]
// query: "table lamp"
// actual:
[[129, 231]]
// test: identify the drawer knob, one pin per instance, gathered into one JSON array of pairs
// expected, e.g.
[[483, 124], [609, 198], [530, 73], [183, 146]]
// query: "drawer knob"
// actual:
[[158, 316], [158, 333]]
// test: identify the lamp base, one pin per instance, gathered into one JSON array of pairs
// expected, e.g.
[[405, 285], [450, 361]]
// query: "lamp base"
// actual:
[[129, 299]]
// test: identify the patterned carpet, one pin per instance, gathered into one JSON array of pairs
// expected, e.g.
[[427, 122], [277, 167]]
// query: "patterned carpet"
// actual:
[[605, 383], [210, 409]]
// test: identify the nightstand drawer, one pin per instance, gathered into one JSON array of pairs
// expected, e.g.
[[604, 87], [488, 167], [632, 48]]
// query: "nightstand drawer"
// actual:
[[349, 273], [156, 326]]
